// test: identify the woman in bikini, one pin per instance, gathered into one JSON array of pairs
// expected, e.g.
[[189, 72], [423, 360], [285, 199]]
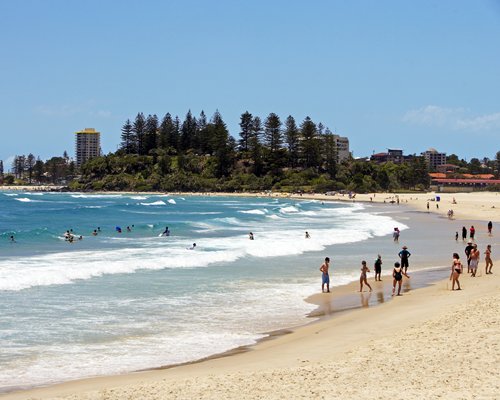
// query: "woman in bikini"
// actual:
[[487, 258], [397, 274], [456, 270], [362, 277]]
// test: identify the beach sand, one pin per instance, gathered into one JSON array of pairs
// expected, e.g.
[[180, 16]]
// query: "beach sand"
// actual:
[[429, 343]]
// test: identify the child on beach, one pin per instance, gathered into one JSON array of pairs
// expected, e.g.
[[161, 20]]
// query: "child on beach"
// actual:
[[397, 275], [325, 277], [487, 258], [362, 277], [456, 270]]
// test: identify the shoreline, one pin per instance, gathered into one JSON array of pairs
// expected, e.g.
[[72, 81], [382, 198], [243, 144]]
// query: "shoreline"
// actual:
[[203, 368], [465, 205]]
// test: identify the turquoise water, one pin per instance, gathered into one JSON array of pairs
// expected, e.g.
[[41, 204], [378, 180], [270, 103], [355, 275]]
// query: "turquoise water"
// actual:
[[120, 302]]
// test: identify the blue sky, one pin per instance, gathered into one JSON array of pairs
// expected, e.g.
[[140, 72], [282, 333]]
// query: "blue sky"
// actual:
[[386, 74]]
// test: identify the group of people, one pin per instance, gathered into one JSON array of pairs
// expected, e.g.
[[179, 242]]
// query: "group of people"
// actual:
[[400, 269], [472, 254]]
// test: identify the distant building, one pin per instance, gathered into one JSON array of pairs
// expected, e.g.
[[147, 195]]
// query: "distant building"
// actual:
[[392, 155], [342, 146], [87, 145], [434, 158]]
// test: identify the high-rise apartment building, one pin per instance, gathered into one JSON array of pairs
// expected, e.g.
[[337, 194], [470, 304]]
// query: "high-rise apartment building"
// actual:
[[87, 145], [434, 158], [342, 145]]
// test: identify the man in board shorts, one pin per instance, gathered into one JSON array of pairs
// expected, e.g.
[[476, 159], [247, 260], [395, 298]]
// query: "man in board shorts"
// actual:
[[404, 255], [325, 277]]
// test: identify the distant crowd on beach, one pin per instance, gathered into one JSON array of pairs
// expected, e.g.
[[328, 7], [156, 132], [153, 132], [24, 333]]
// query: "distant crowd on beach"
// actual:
[[400, 269]]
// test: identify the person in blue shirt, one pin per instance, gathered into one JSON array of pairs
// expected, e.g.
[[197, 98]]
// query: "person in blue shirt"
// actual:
[[404, 255]]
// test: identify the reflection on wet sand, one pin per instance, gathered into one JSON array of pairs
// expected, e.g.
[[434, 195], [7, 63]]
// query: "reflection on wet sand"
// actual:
[[343, 298]]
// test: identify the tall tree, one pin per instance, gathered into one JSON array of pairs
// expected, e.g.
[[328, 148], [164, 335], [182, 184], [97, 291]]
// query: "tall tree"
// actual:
[[201, 141], [330, 153], [139, 129], [38, 170], [310, 145], [30, 163], [176, 134], [128, 138], [188, 132], [273, 136], [255, 147], [166, 132], [292, 136], [1, 172], [150, 133], [246, 120], [221, 145]]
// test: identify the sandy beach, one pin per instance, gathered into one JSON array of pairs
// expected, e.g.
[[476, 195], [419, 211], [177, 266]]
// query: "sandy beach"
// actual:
[[429, 343]]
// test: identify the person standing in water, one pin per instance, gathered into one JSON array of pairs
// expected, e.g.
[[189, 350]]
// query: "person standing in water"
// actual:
[[378, 267], [404, 255], [325, 276], [397, 275], [456, 270], [487, 258], [490, 227], [464, 233], [362, 277]]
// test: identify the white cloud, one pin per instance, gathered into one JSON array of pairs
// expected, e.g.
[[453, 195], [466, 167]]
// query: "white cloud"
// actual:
[[452, 118]]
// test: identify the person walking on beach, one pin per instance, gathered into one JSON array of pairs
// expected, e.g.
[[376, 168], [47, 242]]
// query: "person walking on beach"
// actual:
[[490, 227], [325, 277], [428, 206], [456, 270], [404, 255], [362, 277], [487, 258], [378, 267], [472, 231], [467, 251], [456, 236], [464, 233], [474, 260], [397, 275]]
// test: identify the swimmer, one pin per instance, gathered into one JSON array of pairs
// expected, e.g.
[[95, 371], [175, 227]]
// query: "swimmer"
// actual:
[[118, 229], [94, 233], [166, 232], [128, 229], [192, 247], [12, 239], [307, 235], [250, 236]]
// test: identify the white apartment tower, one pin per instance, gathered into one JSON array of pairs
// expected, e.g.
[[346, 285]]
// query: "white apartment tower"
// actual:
[[87, 145]]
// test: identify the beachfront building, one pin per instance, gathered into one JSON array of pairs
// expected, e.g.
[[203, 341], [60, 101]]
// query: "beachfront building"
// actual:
[[87, 145], [342, 146], [393, 155], [434, 158]]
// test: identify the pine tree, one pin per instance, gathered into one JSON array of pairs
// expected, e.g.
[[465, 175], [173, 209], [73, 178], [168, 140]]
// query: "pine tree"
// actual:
[[221, 145], [309, 145], [201, 145], [38, 170], [176, 133], [167, 130], [139, 128], [273, 136], [129, 139], [292, 136], [246, 120], [255, 147], [150, 133], [329, 153], [1, 172], [188, 132], [30, 163]]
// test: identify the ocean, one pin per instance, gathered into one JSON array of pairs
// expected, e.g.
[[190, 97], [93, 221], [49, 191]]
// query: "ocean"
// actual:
[[120, 302]]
